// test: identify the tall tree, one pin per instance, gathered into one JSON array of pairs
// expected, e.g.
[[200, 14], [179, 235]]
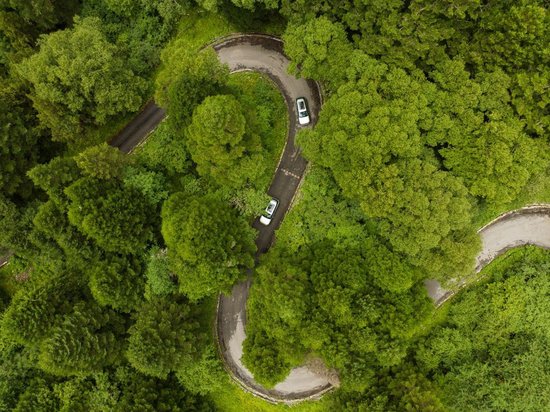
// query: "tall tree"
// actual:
[[53, 177], [18, 142], [38, 396], [15, 226], [209, 245], [88, 339], [117, 281], [102, 162], [166, 334], [115, 216], [36, 309], [22, 21], [220, 144], [317, 48], [78, 80]]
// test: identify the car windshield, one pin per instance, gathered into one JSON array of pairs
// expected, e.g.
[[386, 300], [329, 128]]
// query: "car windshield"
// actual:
[[303, 114]]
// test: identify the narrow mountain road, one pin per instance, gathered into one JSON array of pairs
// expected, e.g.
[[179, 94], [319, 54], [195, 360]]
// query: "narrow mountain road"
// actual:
[[264, 54], [526, 226]]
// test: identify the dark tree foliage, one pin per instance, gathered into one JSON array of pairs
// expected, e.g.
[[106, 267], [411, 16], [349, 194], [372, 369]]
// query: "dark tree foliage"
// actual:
[[15, 226], [37, 308], [38, 396], [165, 336], [55, 176], [115, 216], [118, 281], [16, 371], [394, 390], [138, 28], [87, 340], [52, 230], [143, 393], [209, 245], [21, 21], [18, 142], [115, 390]]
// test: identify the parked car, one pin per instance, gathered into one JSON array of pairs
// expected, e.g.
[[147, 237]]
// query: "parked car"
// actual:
[[303, 114], [269, 212]]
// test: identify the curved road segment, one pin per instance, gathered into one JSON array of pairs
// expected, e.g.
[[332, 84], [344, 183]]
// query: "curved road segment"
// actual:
[[530, 225], [264, 54], [527, 226]]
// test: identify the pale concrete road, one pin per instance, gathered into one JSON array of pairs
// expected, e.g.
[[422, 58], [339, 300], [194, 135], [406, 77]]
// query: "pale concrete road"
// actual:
[[264, 54], [526, 226]]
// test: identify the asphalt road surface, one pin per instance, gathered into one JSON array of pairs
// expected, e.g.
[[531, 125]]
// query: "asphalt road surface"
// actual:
[[264, 54], [139, 128]]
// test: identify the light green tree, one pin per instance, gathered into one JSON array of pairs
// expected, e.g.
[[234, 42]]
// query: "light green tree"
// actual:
[[186, 80], [165, 335], [209, 245], [221, 145], [78, 80]]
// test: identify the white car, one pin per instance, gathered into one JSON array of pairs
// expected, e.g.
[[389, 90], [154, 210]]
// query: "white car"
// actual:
[[303, 115], [269, 212]]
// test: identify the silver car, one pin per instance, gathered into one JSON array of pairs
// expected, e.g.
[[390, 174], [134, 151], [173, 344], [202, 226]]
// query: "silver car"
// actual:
[[303, 115], [269, 212]]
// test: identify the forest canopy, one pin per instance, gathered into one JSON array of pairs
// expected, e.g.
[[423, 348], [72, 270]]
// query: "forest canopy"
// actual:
[[435, 119]]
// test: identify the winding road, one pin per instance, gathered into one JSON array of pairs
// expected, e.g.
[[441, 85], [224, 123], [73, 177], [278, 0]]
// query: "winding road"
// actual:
[[264, 54], [526, 226], [260, 53]]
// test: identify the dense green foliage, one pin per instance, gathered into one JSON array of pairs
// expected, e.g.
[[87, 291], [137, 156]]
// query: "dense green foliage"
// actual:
[[78, 78], [206, 264], [341, 294], [220, 145], [495, 356], [18, 141], [436, 118], [429, 120], [163, 337]]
